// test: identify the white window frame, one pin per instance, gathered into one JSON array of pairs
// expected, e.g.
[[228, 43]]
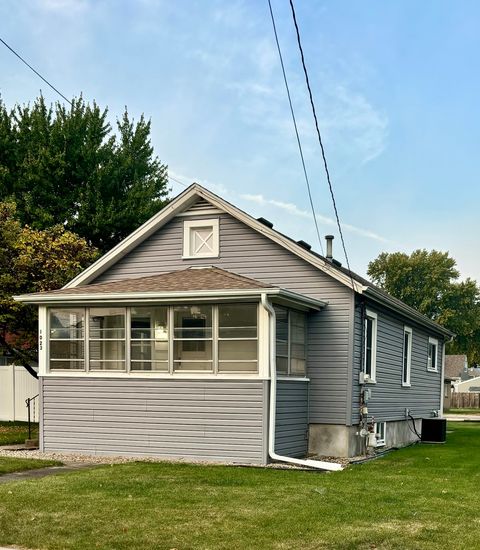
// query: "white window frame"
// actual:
[[433, 342], [380, 430], [189, 226], [289, 373], [373, 371], [259, 372], [407, 383]]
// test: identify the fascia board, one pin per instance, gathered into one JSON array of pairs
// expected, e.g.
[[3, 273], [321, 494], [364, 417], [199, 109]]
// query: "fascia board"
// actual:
[[150, 297], [407, 311], [181, 203], [134, 239], [273, 235]]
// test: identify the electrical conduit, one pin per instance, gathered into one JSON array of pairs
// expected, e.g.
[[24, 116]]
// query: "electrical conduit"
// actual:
[[317, 464]]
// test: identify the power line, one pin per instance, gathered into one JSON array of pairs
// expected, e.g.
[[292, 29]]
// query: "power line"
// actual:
[[177, 181], [295, 125], [320, 138], [35, 71]]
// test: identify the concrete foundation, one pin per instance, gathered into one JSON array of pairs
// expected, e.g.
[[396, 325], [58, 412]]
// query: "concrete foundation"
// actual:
[[343, 441]]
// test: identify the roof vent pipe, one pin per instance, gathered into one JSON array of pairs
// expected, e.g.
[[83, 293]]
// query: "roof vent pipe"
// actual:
[[329, 239]]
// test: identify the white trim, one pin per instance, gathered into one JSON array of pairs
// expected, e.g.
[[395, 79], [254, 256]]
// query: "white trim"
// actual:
[[434, 342], [407, 330], [373, 371], [43, 340], [380, 442], [206, 212], [155, 374], [189, 226], [293, 378], [443, 380], [163, 297]]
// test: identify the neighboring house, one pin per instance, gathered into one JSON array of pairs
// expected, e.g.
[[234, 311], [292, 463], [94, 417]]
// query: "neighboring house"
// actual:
[[208, 335], [447, 391], [456, 367], [472, 385]]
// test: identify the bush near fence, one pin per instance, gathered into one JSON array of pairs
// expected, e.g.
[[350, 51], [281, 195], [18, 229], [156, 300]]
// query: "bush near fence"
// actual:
[[465, 400]]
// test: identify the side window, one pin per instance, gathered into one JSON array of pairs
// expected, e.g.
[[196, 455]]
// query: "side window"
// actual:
[[200, 239], [432, 355], [370, 345], [407, 355], [291, 342]]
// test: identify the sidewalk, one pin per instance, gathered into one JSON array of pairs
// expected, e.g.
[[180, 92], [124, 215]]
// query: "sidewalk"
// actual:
[[462, 417]]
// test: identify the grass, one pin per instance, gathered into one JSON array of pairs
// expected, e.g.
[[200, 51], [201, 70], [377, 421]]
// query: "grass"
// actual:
[[420, 497], [9, 465], [12, 433], [462, 411]]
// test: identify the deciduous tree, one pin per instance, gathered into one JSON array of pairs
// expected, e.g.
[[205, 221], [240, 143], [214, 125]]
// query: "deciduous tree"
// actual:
[[32, 260], [429, 282]]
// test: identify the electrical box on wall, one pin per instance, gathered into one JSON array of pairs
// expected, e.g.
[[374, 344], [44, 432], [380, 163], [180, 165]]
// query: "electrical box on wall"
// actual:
[[363, 378]]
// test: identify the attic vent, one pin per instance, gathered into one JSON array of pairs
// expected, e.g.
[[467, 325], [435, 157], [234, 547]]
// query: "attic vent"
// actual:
[[200, 205], [304, 245], [265, 222]]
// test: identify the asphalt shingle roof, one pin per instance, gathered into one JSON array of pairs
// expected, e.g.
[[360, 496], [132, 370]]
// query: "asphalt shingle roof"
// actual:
[[185, 280]]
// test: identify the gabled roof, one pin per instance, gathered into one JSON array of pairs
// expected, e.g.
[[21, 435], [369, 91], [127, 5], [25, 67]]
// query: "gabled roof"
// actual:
[[455, 365], [205, 283], [195, 192]]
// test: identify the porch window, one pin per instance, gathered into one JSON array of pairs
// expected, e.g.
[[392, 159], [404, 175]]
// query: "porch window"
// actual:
[[67, 344], [149, 338], [237, 338], [290, 342], [192, 338], [107, 339]]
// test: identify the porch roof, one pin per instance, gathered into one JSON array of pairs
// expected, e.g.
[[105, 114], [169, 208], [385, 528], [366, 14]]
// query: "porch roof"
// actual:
[[206, 283]]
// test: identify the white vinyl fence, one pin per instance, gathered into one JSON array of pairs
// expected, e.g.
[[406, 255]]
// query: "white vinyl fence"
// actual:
[[16, 385]]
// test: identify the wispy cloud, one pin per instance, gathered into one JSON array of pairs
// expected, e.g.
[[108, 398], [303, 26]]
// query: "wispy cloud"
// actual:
[[296, 211]]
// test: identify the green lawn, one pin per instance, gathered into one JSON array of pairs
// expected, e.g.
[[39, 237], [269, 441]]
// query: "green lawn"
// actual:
[[8, 465], [462, 411], [423, 497], [12, 433]]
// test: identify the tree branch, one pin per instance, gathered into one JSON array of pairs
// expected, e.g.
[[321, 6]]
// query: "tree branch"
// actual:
[[17, 354]]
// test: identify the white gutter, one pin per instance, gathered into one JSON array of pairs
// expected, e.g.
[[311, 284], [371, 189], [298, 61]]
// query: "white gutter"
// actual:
[[330, 466], [155, 296]]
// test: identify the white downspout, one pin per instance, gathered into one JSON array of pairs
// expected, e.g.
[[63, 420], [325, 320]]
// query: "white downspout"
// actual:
[[330, 466]]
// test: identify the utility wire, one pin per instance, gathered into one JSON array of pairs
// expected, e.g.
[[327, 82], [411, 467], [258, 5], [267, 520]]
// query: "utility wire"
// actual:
[[295, 125], [320, 138], [177, 181], [36, 72]]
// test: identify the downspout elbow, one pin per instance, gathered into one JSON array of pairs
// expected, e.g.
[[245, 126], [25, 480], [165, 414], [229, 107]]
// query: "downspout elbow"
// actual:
[[317, 464]]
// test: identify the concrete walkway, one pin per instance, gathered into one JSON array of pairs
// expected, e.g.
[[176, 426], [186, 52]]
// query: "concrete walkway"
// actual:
[[462, 417], [44, 472]]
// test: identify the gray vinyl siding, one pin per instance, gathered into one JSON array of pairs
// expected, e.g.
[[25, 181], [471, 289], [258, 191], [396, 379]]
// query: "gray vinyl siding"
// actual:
[[213, 420], [291, 418], [389, 397], [249, 253]]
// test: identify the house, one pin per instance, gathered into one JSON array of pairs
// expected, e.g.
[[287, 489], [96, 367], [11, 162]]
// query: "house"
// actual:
[[456, 367], [472, 385], [208, 335]]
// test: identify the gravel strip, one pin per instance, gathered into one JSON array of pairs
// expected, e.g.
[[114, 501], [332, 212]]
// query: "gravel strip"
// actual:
[[78, 458]]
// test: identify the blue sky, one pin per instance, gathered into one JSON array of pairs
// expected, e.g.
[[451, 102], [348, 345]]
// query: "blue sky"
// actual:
[[396, 86]]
